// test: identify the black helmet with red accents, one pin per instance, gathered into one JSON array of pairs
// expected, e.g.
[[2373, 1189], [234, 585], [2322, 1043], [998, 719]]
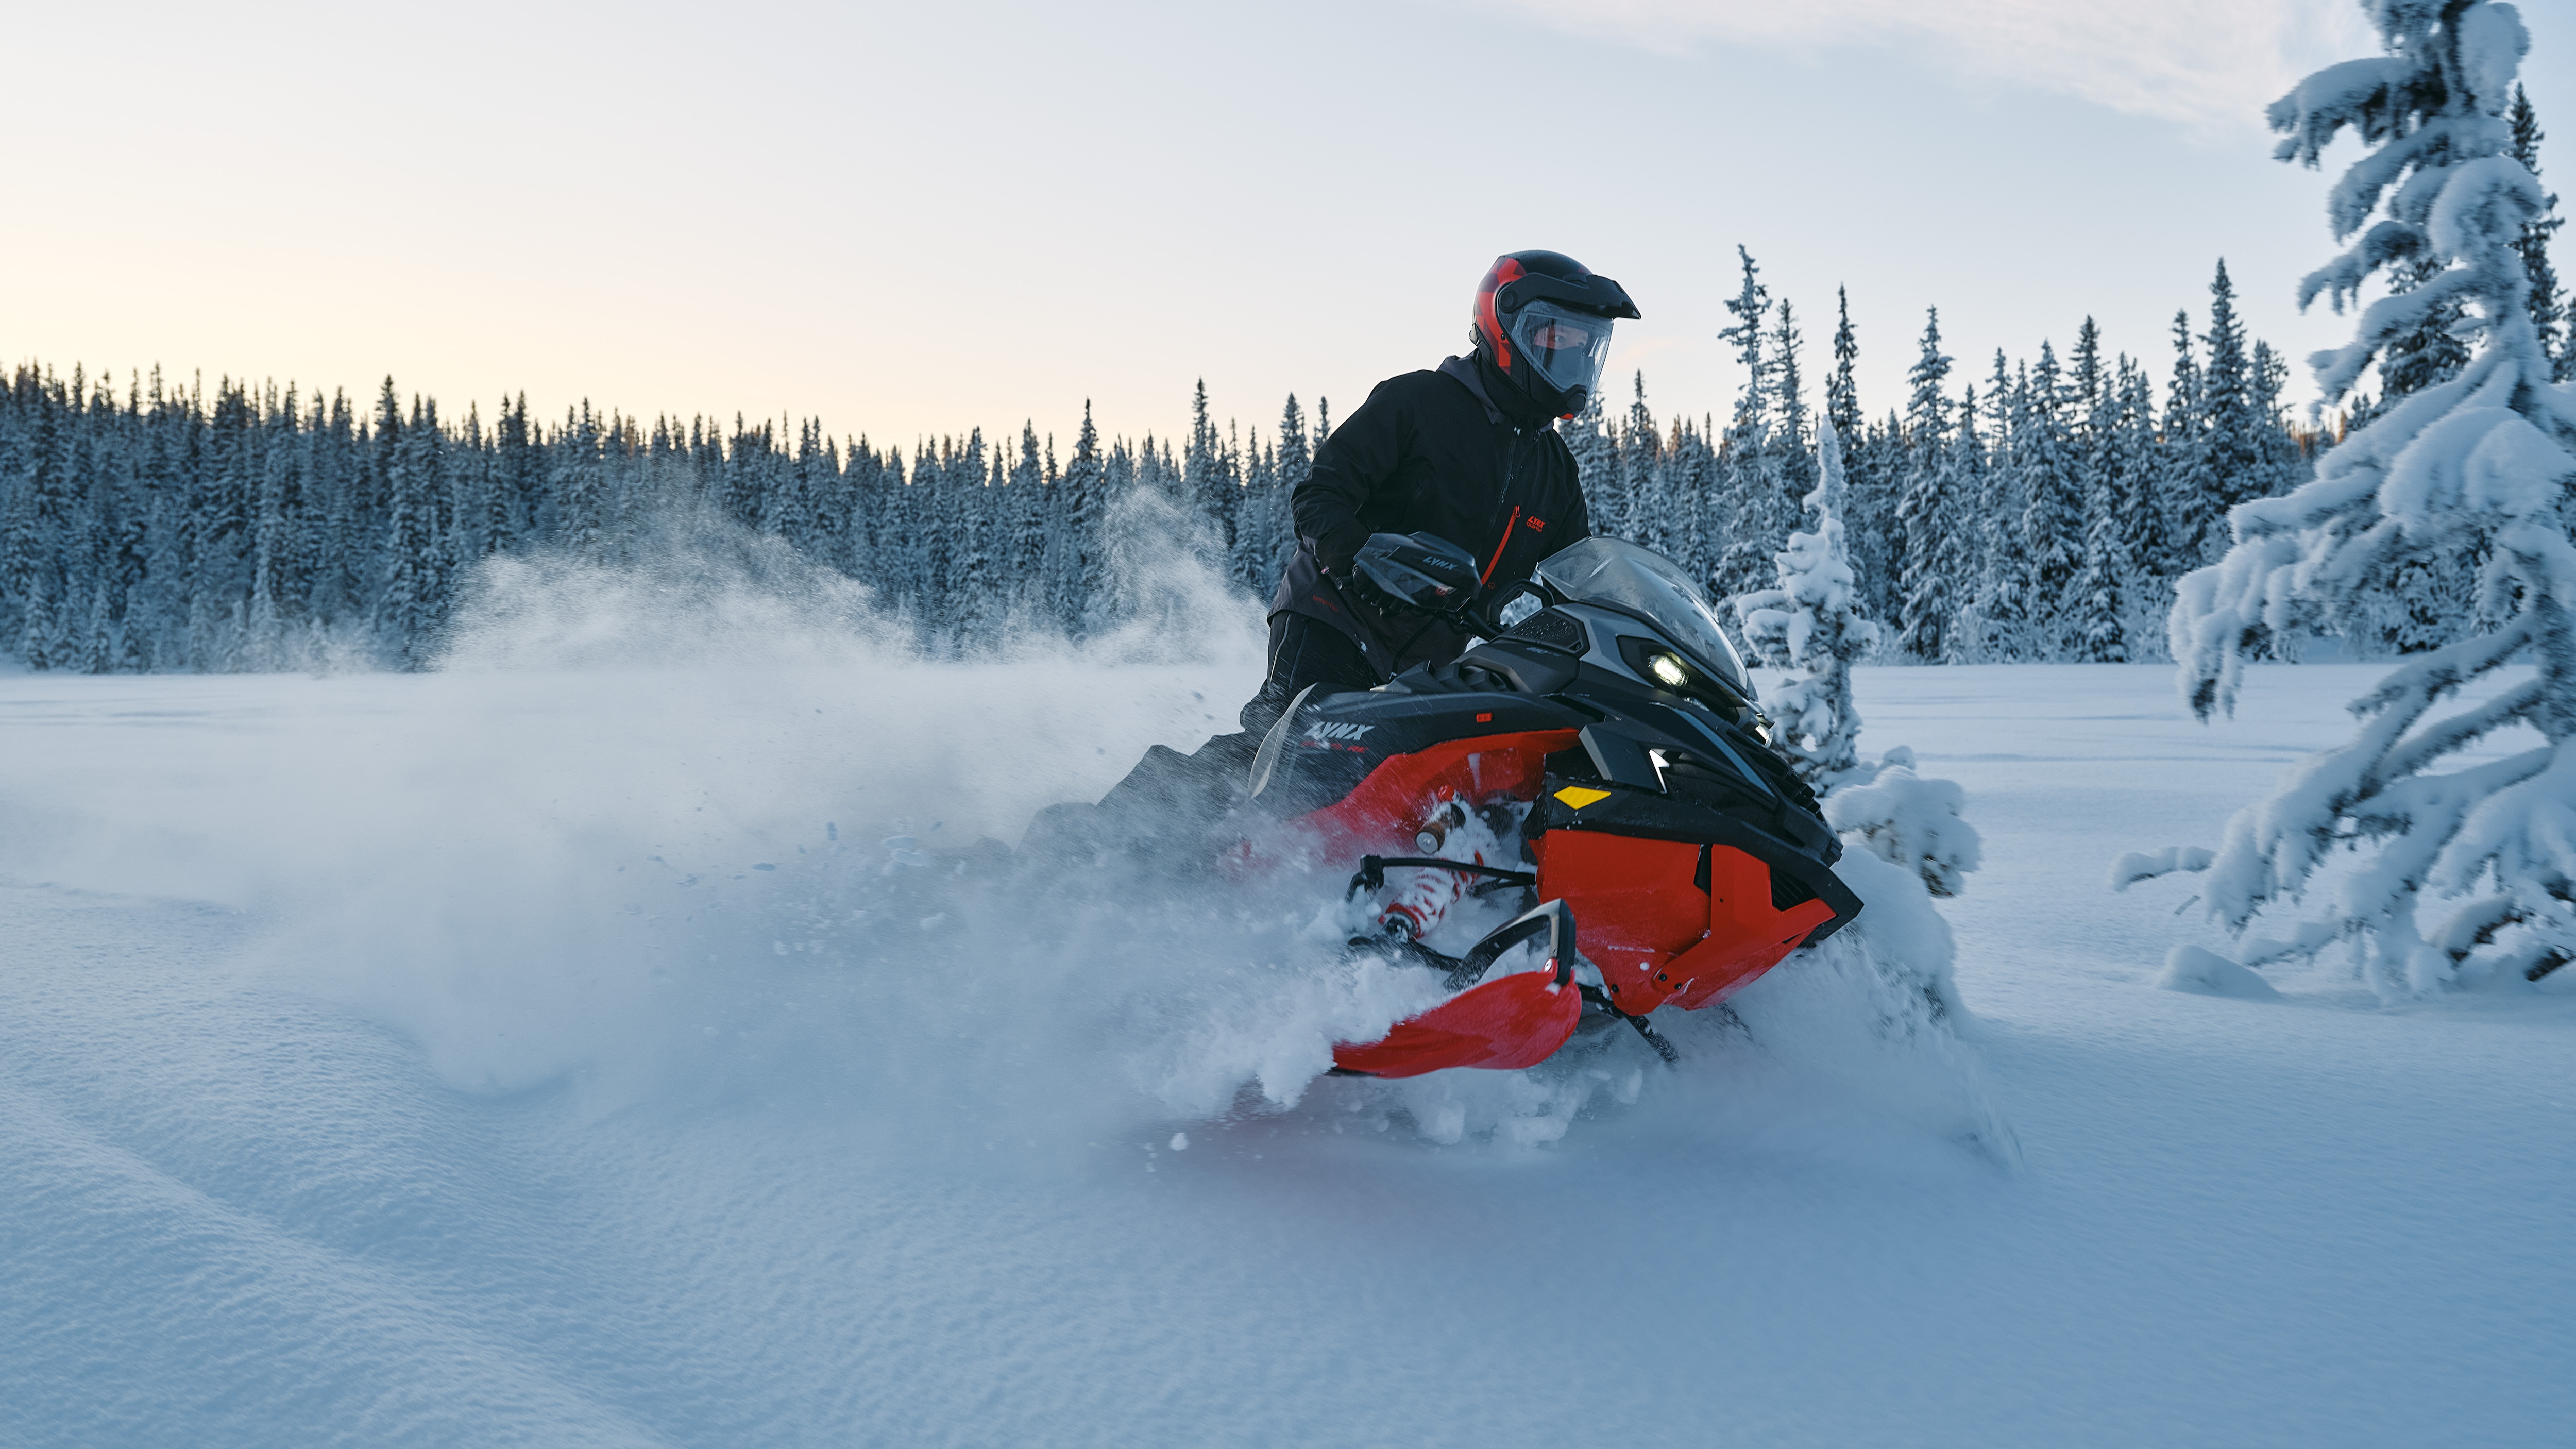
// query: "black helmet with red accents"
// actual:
[[1542, 324]]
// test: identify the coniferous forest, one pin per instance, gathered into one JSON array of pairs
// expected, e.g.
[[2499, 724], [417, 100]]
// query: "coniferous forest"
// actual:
[[2023, 509]]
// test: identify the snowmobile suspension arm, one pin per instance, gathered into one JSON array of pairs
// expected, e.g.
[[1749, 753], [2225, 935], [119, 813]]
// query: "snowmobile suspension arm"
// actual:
[[1372, 871], [1663, 1045]]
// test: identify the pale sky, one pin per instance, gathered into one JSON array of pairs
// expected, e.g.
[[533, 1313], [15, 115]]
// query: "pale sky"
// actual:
[[915, 219]]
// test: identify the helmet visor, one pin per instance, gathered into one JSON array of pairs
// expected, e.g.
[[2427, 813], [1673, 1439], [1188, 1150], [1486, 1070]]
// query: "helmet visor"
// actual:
[[1566, 346]]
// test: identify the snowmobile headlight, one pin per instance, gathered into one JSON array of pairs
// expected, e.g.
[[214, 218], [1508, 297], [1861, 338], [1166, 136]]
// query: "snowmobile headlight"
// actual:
[[1668, 669]]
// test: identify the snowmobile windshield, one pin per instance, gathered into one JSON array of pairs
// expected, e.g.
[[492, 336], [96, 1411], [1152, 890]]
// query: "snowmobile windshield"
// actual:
[[1620, 574], [1567, 346]]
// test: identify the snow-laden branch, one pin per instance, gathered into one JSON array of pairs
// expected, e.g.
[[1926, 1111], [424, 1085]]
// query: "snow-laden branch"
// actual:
[[2477, 467]]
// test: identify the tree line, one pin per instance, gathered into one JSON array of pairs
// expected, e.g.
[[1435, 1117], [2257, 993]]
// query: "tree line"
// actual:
[[2040, 511], [155, 527]]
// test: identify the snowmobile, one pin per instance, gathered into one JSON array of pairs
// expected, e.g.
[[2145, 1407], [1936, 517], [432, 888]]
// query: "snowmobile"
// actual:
[[1599, 752]]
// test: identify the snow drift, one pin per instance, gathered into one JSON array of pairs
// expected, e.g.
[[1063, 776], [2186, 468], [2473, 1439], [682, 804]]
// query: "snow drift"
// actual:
[[454, 1155]]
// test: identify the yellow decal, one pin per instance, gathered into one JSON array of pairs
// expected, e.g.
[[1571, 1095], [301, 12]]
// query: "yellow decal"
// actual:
[[1576, 797]]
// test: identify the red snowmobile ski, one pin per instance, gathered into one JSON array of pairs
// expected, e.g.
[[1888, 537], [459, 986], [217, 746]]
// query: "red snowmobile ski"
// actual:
[[1605, 740]]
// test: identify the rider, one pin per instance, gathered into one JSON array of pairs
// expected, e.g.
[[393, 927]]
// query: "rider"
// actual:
[[1466, 451]]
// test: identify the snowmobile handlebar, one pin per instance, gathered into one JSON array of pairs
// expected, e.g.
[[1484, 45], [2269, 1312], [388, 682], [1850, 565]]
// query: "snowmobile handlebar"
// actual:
[[1422, 572]]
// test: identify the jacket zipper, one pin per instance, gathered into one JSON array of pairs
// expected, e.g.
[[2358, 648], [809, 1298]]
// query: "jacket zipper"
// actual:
[[1511, 475], [1488, 576]]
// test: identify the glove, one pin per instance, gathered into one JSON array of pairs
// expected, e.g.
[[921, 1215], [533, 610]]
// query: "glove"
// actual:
[[1432, 574], [1358, 586]]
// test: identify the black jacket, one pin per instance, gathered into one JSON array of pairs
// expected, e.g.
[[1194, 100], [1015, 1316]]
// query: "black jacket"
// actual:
[[1429, 452]]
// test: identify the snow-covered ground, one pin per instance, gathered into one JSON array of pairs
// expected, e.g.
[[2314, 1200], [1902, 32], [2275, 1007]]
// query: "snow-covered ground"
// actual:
[[563, 1058]]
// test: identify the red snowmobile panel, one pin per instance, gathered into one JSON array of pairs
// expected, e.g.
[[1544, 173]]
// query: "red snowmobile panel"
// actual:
[[1386, 808], [1654, 933], [1638, 902], [1507, 1023], [1746, 934]]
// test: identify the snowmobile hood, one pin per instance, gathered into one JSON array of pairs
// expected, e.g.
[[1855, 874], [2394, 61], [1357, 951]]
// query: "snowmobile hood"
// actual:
[[1623, 576]]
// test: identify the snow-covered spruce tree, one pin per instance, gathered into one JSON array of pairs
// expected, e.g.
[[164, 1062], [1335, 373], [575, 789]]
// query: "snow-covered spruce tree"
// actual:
[[1209, 484], [1631, 505], [1073, 545], [218, 526], [818, 487], [1790, 439], [1251, 555], [2092, 604], [1994, 620], [1842, 385], [1689, 472], [968, 523], [1809, 627], [1928, 508], [2095, 632], [2228, 389], [579, 486], [2086, 387], [31, 544], [1277, 527], [521, 475], [2480, 465], [958, 556], [2192, 528], [2284, 456], [1942, 542], [271, 558], [2139, 511], [1748, 515], [1872, 481], [406, 608], [2549, 303], [2052, 520]]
